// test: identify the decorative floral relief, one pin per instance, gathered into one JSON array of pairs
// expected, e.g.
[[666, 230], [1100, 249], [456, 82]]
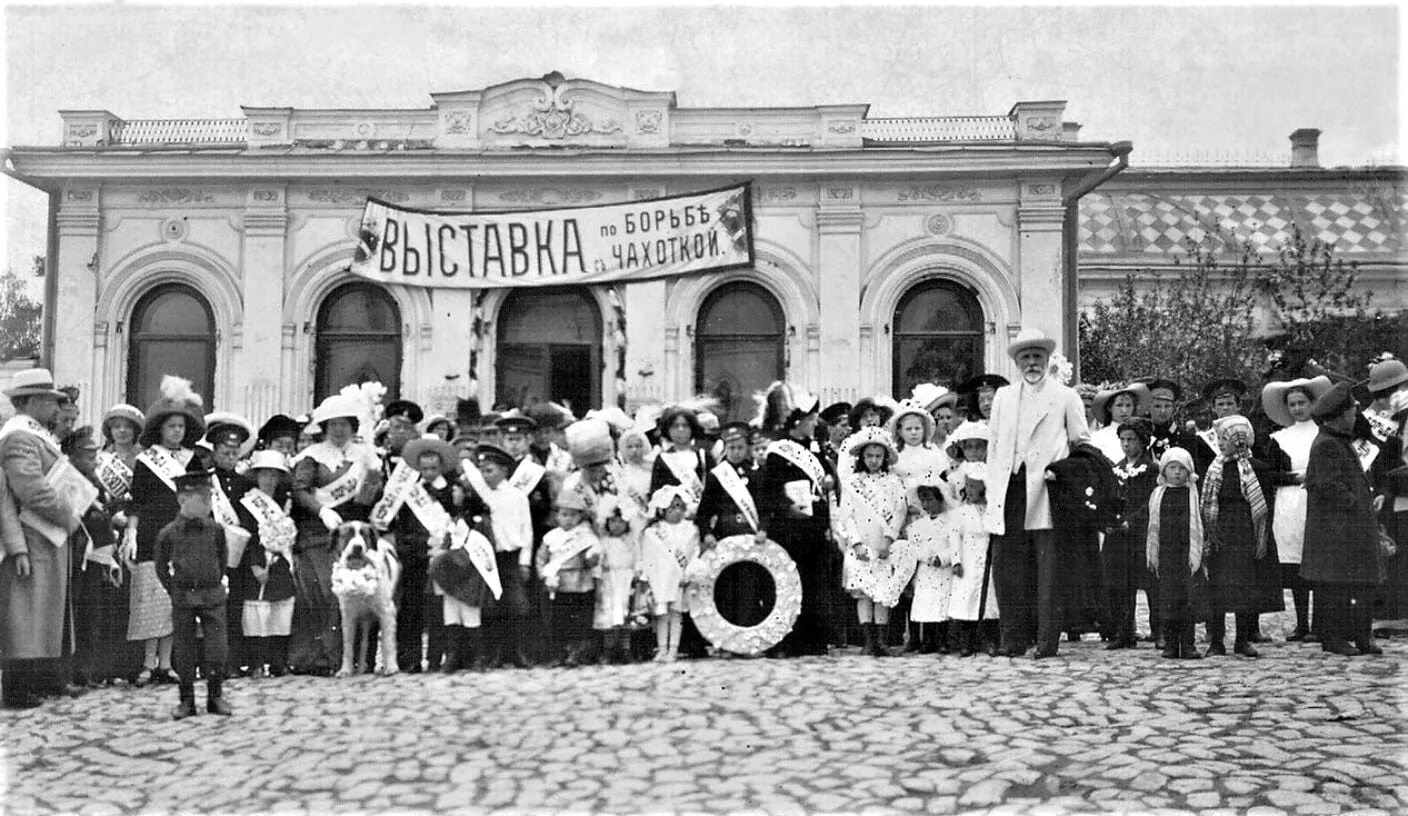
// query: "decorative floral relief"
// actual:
[[778, 193], [553, 118], [80, 195], [843, 126], [840, 193], [541, 194], [266, 195], [343, 195], [458, 122], [939, 192], [938, 224], [648, 121], [267, 128], [82, 131], [452, 195], [175, 196]]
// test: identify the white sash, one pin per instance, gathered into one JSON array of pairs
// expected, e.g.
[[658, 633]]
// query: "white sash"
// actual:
[[162, 464], [554, 565], [431, 514], [276, 530], [802, 458], [1209, 438], [220, 505], [114, 473], [733, 484], [687, 478], [527, 475], [394, 495], [1366, 451], [481, 555], [341, 490], [1383, 427]]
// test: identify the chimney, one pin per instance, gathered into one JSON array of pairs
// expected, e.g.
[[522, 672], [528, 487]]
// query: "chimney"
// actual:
[[1305, 147]]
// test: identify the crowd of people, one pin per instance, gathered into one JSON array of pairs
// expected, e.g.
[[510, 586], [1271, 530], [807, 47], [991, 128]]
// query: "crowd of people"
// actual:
[[173, 544]]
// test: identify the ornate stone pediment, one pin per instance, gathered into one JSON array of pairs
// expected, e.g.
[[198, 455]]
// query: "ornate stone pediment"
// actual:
[[554, 111]]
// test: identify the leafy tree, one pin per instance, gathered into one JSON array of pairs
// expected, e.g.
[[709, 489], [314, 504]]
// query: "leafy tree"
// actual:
[[20, 316]]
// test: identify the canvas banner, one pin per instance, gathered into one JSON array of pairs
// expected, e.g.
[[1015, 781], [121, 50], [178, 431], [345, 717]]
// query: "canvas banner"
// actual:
[[613, 243]]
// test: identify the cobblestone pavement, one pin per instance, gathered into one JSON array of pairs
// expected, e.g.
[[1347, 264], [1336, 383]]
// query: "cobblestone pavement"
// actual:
[[1295, 732]]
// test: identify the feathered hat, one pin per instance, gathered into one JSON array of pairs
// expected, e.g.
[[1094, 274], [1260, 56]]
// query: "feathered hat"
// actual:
[[782, 405], [589, 442], [177, 397]]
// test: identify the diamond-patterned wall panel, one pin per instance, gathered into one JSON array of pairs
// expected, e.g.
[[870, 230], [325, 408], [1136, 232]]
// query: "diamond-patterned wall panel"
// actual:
[[1151, 223]]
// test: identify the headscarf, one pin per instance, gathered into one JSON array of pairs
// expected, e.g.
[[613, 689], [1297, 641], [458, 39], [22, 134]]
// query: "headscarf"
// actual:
[[1251, 486], [1196, 541]]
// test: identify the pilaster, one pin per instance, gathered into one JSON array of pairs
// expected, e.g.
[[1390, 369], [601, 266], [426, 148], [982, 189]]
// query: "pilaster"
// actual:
[[1041, 272], [258, 364], [76, 295], [839, 222]]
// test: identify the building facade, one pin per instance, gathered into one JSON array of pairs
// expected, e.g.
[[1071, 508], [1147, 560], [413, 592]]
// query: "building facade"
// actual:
[[888, 251]]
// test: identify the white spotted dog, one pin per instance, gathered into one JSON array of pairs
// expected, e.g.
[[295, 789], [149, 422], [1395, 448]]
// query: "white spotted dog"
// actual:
[[364, 580]]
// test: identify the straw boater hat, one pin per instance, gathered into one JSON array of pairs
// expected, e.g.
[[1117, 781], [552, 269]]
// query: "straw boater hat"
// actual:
[[1273, 396], [176, 398], [225, 424], [1031, 338], [430, 443], [34, 382], [1101, 406], [911, 408], [865, 437], [122, 412], [268, 460]]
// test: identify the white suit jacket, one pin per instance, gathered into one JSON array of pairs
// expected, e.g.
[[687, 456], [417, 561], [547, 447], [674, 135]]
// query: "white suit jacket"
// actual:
[[1060, 424]]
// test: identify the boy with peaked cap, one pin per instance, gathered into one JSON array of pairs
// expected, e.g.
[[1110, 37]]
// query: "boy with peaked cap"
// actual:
[[230, 438], [729, 507], [403, 419], [190, 562], [1223, 398], [1164, 396], [980, 391], [835, 427], [512, 521]]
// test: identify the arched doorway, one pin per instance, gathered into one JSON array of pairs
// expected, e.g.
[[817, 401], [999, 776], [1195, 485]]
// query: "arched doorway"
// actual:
[[358, 340], [549, 348], [937, 336], [173, 332], [739, 346]]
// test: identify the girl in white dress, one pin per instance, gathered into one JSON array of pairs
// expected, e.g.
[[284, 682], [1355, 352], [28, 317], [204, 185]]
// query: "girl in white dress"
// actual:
[[620, 553], [929, 535], [973, 605], [912, 426], [1288, 405], [667, 547], [872, 513]]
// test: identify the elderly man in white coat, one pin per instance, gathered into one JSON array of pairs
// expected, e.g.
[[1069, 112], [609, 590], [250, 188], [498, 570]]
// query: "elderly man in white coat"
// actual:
[[35, 521], [1035, 421]]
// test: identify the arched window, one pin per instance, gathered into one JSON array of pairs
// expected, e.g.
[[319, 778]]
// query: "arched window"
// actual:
[[739, 346], [549, 348], [938, 336], [172, 332], [358, 340]]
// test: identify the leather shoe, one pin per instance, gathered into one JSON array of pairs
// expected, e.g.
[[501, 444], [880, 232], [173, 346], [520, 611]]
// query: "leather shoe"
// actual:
[[1368, 647], [217, 705], [1042, 654], [1245, 649], [1296, 636], [1217, 649], [1340, 647], [184, 709]]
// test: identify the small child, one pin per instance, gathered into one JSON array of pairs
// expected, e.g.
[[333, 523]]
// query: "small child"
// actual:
[[268, 619], [567, 562], [929, 535], [620, 550], [872, 513], [667, 547], [511, 519], [190, 562], [460, 572], [1175, 551], [973, 606]]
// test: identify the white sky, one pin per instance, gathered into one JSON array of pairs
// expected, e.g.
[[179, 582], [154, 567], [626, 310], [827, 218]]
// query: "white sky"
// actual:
[[1177, 81]]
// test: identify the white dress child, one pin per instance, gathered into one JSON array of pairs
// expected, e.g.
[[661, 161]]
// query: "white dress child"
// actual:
[[666, 550], [931, 537], [970, 548]]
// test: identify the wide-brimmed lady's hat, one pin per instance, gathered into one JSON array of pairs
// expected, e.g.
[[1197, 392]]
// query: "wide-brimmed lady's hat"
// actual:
[[970, 431], [1101, 406], [33, 382], [177, 397], [1273, 396], [1386, 375], [279, 426], [933, 397], [268, 460], [223, 425], [338, 406]]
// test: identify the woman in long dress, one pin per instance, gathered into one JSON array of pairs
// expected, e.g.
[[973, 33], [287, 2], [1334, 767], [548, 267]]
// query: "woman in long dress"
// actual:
[[334, 480]]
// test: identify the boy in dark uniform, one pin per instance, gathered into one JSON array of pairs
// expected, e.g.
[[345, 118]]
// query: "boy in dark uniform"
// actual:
[[530, 476], [190, 562], [1167, 433], [728, 507]]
